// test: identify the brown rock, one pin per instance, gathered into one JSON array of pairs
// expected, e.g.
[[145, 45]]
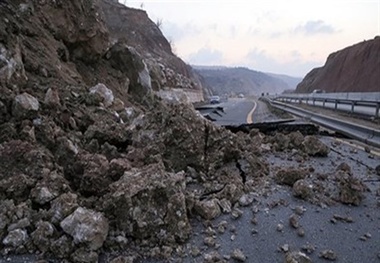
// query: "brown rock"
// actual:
[[105, 93], [25, 105], [302, 189], [344, 167], [82, 255], [290, 176], [208, 209], [350, 189], [328, 254], [87, 227], [314, 147], [52, 98], [238, 255], [294, 221], [42, 236], [149, 203], [297, 257], [16, 238]]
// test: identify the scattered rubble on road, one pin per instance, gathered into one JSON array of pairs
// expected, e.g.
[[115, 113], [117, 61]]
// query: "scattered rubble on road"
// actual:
[[93, 166]]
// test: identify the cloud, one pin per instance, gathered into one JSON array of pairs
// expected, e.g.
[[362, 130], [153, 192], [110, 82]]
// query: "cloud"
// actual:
[[206, 56], [315, 27], [260, 60]]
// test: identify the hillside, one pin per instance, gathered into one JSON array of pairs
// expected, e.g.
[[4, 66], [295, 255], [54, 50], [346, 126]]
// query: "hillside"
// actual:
[[168, 72], [352, 69], [91, 160], [291, 81], [223, 80]]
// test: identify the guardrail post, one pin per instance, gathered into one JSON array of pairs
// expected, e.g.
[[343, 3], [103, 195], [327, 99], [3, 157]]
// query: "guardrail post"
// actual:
[[352, 106], [324, 102], [336, 105], [314, 102], [377, 110]]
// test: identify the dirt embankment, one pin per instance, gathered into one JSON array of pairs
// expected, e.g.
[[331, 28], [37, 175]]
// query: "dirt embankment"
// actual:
[[353, 69]]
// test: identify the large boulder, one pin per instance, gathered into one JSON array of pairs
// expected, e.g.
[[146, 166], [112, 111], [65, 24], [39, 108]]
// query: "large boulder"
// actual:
[[149, 203], [314, 147], [86, 227]]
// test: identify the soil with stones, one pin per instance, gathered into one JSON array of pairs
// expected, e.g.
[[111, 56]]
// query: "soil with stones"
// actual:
[[95, 167]]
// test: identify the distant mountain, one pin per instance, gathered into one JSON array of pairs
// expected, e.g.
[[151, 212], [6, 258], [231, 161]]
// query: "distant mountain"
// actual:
[[291, 81], [224, 80], [353, 69]]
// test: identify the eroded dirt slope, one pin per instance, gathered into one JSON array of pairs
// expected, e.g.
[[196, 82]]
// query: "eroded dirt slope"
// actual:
[[352, 69]]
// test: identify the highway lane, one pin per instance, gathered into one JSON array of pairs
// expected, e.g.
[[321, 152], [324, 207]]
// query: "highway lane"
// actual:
[[242, 110], [236, 111]]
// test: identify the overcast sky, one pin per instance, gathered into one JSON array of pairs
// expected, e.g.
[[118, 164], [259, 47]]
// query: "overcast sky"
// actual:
[[280, 36]]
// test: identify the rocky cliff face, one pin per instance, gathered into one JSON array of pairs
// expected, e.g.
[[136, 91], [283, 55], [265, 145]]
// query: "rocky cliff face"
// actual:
[[353, 69], [136, 29]]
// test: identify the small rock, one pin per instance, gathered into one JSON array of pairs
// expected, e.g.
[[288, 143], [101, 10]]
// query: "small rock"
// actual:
[[344, 167], [346, 219], [294, 221], [297, 257], [16, 238], [308, 248], [246, 200], [280, 227], [238, 255], [209, 241], [284, 248], [328, 254], [195, 251], [105, 93], [211, 257], [225, 205], [290, 176], [299, 210], [254, 231], [301, 232], [208, 209], [222, 226], [367, 149], [82, 255], [52, 98], [236, 213], [25, 105], [302, 189], [314, 147]]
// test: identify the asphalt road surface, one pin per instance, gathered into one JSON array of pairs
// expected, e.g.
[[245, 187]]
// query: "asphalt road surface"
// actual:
[[242, 110]]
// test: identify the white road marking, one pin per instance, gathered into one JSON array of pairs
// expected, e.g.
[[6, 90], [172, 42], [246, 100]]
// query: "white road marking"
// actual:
[[249, 116]]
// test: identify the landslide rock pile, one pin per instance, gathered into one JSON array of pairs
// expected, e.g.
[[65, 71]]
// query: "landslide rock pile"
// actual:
[[90, 158]]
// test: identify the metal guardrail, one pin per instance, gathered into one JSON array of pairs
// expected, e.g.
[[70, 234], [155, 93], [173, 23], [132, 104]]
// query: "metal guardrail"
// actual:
[[361, 133], [370, 99]]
